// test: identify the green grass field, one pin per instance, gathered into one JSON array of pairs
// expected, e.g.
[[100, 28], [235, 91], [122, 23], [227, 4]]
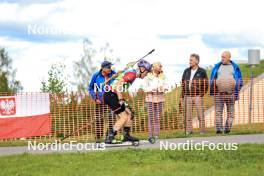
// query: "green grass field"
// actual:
[[247, 160]]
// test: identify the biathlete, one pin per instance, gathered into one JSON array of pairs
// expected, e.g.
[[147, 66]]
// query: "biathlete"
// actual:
[[114, 99]]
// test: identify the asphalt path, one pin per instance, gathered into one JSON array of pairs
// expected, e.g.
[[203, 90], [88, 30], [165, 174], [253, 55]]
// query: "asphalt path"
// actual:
[[164, 144]]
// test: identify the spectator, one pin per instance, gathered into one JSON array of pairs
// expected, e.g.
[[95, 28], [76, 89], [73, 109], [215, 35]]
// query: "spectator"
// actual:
[[194, 87], [225, 84], [96, 90], [155, 86]]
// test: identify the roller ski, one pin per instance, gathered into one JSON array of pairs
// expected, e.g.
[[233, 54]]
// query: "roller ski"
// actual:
[[153, 139], [127, 139]]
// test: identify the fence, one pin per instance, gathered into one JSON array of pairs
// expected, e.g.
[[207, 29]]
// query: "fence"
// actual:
[[70, 112]]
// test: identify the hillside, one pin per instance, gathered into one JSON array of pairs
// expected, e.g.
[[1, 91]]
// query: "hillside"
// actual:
[[245, 69]]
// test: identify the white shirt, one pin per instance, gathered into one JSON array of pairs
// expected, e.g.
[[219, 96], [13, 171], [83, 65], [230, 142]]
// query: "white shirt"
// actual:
[[152, 85], [192, 75], [153, 82]]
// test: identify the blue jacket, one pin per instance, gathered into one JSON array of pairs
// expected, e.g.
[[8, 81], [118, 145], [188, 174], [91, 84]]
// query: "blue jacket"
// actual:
[[237, 77], [98, 78]]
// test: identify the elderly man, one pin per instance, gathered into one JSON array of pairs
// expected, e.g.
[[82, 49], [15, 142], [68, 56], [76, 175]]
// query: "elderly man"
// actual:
[[97, 92], [194, 87], [225, 84]]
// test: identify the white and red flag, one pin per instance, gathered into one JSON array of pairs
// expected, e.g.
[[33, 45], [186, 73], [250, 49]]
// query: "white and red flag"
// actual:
[[25, 115]]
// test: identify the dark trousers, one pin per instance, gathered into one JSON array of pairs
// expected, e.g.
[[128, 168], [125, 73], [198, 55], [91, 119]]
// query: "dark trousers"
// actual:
[[101, 111], [222, 99]]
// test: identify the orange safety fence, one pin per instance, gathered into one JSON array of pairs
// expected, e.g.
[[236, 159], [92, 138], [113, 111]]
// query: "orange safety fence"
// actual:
[[73, 111]]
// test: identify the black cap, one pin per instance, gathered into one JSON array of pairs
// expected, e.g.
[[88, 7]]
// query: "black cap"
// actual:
[[106, 64]]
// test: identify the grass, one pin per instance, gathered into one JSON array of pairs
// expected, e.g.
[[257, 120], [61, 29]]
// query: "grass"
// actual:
[[257, 70], [247, 160], [210, 132]]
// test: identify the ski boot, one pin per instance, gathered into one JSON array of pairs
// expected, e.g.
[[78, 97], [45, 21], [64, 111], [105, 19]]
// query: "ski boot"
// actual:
[[128, 138], [110, 138]]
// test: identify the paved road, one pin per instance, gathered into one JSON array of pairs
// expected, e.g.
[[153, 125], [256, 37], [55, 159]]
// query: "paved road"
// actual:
[[171, 143]]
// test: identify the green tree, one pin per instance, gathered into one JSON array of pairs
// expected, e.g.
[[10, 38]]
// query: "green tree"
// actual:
[[56, 82], [85, 67], [108, 55], [8, 82]]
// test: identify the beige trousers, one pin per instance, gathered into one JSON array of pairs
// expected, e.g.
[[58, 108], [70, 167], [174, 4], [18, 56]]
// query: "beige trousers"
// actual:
[[124, 120], [190, 102]]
